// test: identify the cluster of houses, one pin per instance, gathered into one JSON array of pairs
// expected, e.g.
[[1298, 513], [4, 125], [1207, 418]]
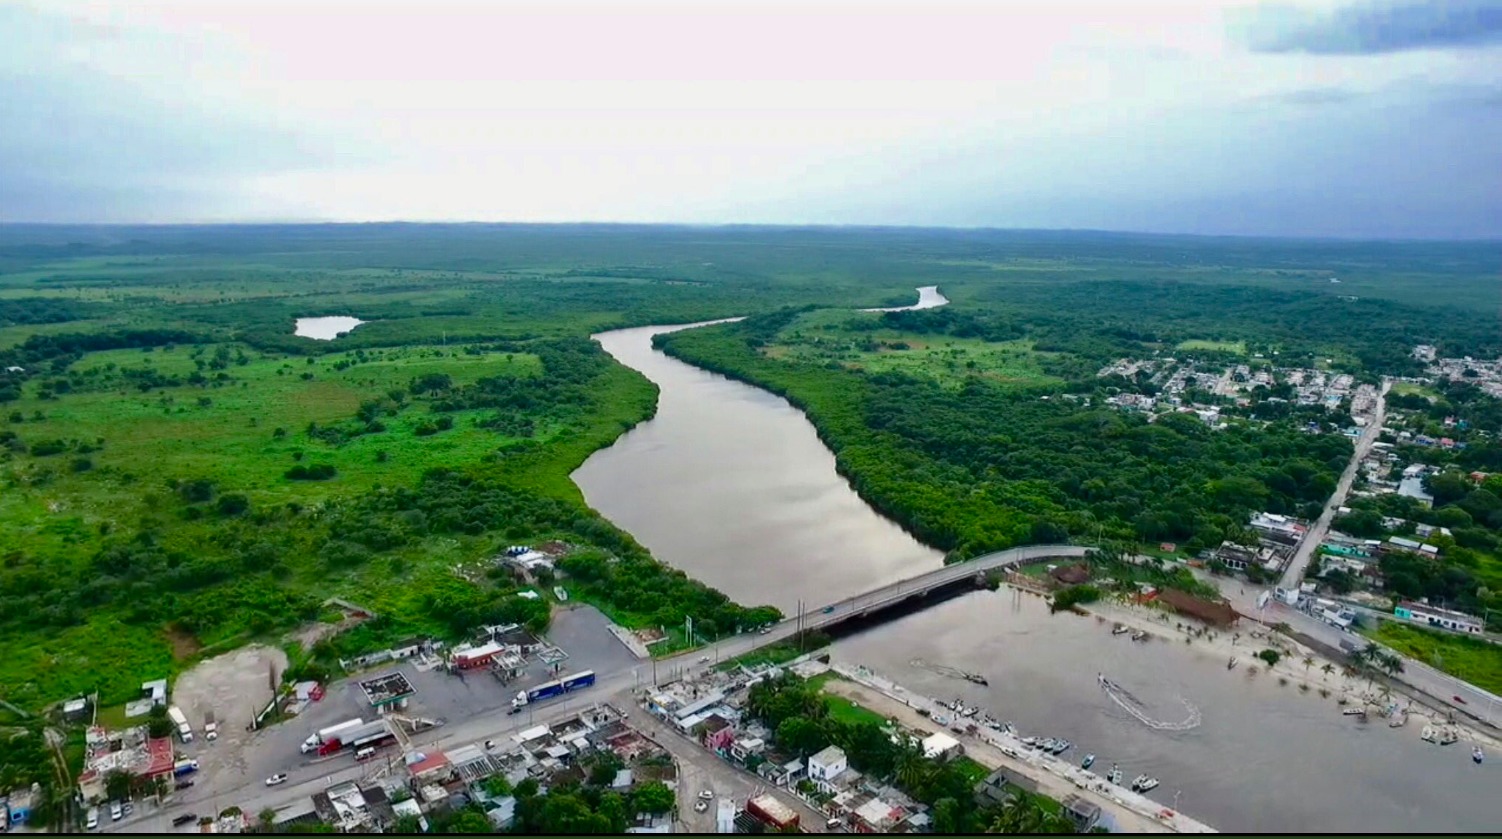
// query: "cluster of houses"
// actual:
[[430, 781], [712, 710], [1174, 380], [1486, 375], [1277, 537]]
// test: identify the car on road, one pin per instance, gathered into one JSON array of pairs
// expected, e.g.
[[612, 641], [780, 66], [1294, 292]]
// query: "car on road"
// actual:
[[703, 658], [182, 784], [766, 629], [706, 794], [93, 821], [184, 819], [828, 609], [701, 806], [115, 811], [278, 778]]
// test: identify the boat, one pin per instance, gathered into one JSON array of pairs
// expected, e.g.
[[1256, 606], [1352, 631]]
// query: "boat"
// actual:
[[1048, 745], [1062, 746], [1148, 784], [1139, 635], [559, 593], [1138, 781], [1398, 721], [977, 678], [1010, 729], [970, 712], [1477, 755], [1029, 741], [1088, 762], [1448, 736], [1231, 665], [1115, 776], [1429, 735], [1354, 712], [1120, 630]]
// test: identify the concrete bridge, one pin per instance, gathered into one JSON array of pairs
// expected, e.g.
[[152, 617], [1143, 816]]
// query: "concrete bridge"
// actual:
[[868, 604]]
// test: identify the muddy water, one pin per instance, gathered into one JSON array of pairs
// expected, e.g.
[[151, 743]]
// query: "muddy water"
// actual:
[[731, 484]]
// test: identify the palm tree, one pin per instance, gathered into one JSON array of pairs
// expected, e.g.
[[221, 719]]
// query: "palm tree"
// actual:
[[1308, 663], [1327, 670]]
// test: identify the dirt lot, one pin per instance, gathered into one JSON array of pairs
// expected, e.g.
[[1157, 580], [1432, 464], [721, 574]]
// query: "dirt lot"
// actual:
[[234, 687]]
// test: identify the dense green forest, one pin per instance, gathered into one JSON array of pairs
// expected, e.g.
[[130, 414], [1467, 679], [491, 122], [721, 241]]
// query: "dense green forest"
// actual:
[[986, 465]]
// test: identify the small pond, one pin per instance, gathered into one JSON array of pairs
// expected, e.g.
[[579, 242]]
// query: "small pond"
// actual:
[[325, 329]]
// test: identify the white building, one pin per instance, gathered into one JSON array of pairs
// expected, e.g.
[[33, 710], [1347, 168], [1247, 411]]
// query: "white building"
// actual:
[[825, 766]]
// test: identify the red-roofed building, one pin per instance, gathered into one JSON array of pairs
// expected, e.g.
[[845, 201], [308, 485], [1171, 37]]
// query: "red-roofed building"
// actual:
[[433, 766], [159, 751]]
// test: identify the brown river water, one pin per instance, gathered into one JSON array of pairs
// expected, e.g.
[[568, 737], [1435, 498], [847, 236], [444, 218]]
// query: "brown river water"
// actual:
[[732, 485]]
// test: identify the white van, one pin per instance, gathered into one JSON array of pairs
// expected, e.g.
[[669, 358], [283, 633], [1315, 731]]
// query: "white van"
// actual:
[[366, 753], [93, 821]]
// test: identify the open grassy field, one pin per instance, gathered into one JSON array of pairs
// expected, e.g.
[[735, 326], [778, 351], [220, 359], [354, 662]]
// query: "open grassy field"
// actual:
[[849, 340], [1237, 347], [1471, 659]]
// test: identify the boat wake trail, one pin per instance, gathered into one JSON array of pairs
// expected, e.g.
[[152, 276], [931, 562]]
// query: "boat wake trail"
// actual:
[[940, 669], [1134, 706]]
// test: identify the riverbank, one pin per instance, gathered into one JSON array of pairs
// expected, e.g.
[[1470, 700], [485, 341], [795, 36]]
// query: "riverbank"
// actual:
[[1243, 644], [1130, 812]]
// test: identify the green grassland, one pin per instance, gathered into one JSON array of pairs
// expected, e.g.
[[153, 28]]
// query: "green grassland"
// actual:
[[833, 336], [1237, 347], [1471, 659]]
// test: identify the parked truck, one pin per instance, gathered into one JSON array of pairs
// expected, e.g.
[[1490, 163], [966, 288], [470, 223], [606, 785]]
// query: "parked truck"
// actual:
[[180, 720], [184, 767], [322, 735], [548, 690], [372, 733], [210, 727]]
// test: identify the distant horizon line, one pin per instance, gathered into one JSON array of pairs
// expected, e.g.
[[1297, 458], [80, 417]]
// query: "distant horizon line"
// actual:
[[1484, 239]]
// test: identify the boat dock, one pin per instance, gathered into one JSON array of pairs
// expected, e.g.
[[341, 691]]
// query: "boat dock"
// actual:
[[1132, 812]]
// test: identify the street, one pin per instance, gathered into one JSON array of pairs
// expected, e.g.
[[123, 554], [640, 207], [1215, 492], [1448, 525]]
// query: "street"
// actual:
[[1294, 573]]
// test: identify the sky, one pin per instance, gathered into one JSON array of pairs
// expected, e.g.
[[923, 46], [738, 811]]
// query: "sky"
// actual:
[[1329, 118]]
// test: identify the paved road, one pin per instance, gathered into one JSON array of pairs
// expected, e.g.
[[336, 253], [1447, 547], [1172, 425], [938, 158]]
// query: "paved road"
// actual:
[[1294, 573]]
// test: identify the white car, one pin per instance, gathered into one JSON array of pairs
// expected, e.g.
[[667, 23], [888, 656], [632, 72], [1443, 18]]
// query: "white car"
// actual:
[[93, 820], [115, 811], [706, 794], [278, 778]]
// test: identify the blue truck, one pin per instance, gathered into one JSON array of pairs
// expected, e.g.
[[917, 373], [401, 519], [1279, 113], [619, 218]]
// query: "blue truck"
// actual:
[[548, 690]]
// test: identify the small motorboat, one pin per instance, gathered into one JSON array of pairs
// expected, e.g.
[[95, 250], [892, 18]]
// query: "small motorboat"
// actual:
[[1231, 665], [1062, 746], [1139, 635], [1354, 712], [1449, 736], [970, 712], [1477, 755], [1030, 742], [1115, 776], [1138, 781], [1399, 720], [1148, 784], [977, 678], [1120, 630], [1010, 729], [1429, 735], [1048, 744], [1089, 761]]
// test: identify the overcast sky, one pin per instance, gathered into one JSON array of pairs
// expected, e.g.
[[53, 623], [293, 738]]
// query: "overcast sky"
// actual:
[[1308, 118]]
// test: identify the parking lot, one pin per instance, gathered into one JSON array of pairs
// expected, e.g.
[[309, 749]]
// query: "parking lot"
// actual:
[[236, 766]]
